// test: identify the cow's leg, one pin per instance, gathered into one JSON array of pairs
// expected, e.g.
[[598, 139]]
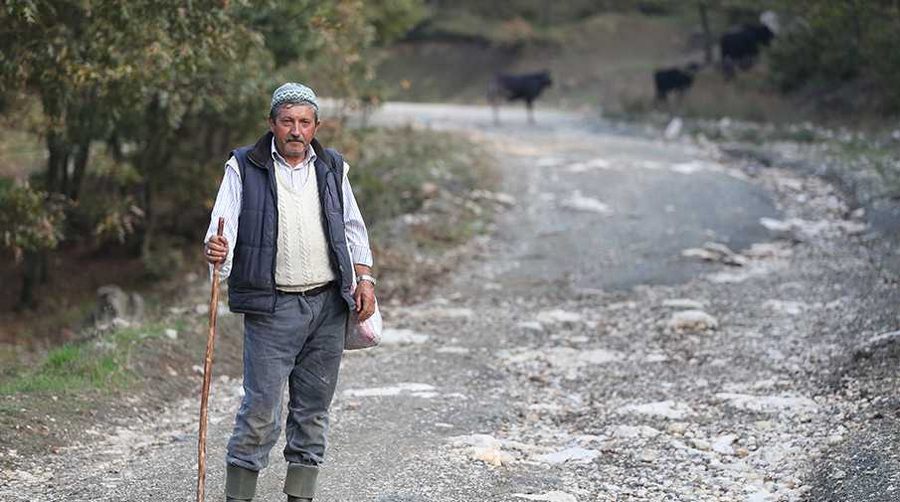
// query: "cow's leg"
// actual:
[[529, 106]]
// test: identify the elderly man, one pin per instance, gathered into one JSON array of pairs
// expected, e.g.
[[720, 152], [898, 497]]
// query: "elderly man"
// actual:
[[299, 243]]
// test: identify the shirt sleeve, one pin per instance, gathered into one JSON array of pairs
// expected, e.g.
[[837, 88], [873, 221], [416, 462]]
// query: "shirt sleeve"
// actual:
[[228, 206], [355, 227]]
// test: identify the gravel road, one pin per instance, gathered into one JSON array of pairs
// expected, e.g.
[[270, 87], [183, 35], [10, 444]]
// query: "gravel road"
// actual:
[[648, 321]]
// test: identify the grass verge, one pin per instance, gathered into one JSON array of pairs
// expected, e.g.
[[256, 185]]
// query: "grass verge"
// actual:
[[101, 364]]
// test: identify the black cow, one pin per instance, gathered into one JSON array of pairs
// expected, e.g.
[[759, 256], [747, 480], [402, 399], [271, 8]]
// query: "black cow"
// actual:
[[741, 46], [526, 87], [674, 80]]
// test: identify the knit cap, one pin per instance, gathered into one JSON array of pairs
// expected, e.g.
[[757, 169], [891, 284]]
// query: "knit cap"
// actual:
[[292, 92]]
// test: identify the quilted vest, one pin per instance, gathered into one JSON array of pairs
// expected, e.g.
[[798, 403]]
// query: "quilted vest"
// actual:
[[251, 283]]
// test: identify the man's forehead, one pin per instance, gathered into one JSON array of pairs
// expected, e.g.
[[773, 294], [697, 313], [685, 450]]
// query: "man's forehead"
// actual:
[[297, 110]]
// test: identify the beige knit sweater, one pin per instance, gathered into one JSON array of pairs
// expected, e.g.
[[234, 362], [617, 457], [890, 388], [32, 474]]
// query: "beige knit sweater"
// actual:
[[302, 259]]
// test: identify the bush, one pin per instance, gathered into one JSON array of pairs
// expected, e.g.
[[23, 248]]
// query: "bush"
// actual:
[[829, 43], [30, 220]]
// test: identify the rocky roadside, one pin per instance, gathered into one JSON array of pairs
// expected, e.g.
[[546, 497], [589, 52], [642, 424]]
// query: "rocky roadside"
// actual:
[[723, 388], [757, 379]]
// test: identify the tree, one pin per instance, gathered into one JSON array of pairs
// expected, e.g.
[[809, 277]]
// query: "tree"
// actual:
[[30, 222], [92, 63], [828, 43]]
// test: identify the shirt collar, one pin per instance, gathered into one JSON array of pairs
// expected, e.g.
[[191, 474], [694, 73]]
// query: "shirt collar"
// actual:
[[310, 155]]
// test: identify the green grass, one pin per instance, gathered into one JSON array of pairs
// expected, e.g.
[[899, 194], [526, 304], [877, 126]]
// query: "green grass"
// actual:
[[100, 364], [69, 368]]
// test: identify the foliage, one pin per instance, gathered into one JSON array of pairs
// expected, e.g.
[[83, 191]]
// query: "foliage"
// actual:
[[391, 169], [828, 43], [29, 219], [170, 87], [391, 19]]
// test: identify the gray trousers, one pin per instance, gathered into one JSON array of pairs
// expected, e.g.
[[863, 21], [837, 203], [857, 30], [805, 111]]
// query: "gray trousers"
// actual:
[[299, 345]]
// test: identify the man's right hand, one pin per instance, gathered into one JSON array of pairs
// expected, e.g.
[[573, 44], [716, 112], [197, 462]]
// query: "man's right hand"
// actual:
[[216, 249]]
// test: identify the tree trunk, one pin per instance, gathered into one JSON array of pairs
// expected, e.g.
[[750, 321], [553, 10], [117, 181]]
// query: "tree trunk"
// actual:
[[149, 221], [707, 33], [81, 159], [57, 162], [30, 280]]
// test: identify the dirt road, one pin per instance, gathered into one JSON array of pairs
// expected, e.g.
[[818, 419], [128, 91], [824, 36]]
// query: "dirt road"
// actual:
[[647, 322]]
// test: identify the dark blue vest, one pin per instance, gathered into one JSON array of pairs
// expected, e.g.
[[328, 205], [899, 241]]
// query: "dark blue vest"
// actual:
[[251, 284]]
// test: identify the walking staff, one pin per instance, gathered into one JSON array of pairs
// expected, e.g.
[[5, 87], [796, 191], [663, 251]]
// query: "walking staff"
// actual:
[[207, 375]]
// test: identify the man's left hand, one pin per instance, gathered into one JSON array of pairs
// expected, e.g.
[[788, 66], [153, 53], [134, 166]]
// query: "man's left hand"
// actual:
[[365, 300]]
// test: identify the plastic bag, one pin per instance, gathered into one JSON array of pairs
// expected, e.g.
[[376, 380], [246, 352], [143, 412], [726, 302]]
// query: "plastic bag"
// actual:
[[365, 334]]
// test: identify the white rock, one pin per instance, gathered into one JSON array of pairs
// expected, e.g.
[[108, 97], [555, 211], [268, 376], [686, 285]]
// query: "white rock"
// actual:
[[452, 350], [718, 248], [700, 253], [785, 306], [677, 428], [701, 444], [777, 227], [574, 455], [564, 357], [415, 389], [722, 444], [558, 316], [683, 303], [648, 455], [769, 404], [632, 431], [760, 496], [477, 440], [171, 334], [692, 321], [662, 409], [498, 197], [483, 447], [491, 456], [531, 325], [402, 337], [578, 202], [554, 496]]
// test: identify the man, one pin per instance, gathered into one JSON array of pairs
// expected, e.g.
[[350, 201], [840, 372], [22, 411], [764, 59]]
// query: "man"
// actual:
[[299, 240]]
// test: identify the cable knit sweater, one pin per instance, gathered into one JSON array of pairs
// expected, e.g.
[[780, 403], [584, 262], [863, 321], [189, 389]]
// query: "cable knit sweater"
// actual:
[[302, 260]]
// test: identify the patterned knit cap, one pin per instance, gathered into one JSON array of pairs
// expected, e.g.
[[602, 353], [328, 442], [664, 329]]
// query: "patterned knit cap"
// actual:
[[294, 93]]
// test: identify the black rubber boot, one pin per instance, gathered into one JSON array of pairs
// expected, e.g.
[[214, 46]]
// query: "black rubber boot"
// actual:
[[240, 484], [300, 482]]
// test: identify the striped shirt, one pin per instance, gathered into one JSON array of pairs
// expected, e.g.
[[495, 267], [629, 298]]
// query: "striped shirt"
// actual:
[[228, 205]]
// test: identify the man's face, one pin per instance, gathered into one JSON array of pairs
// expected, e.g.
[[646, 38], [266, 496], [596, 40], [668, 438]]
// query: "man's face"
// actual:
[[294, 128]]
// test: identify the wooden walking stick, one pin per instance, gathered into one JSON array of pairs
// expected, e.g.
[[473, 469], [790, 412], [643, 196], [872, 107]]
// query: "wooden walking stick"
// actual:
[[207, 375]]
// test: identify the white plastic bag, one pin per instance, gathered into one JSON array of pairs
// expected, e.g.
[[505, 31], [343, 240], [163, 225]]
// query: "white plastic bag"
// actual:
[[365, 334]]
